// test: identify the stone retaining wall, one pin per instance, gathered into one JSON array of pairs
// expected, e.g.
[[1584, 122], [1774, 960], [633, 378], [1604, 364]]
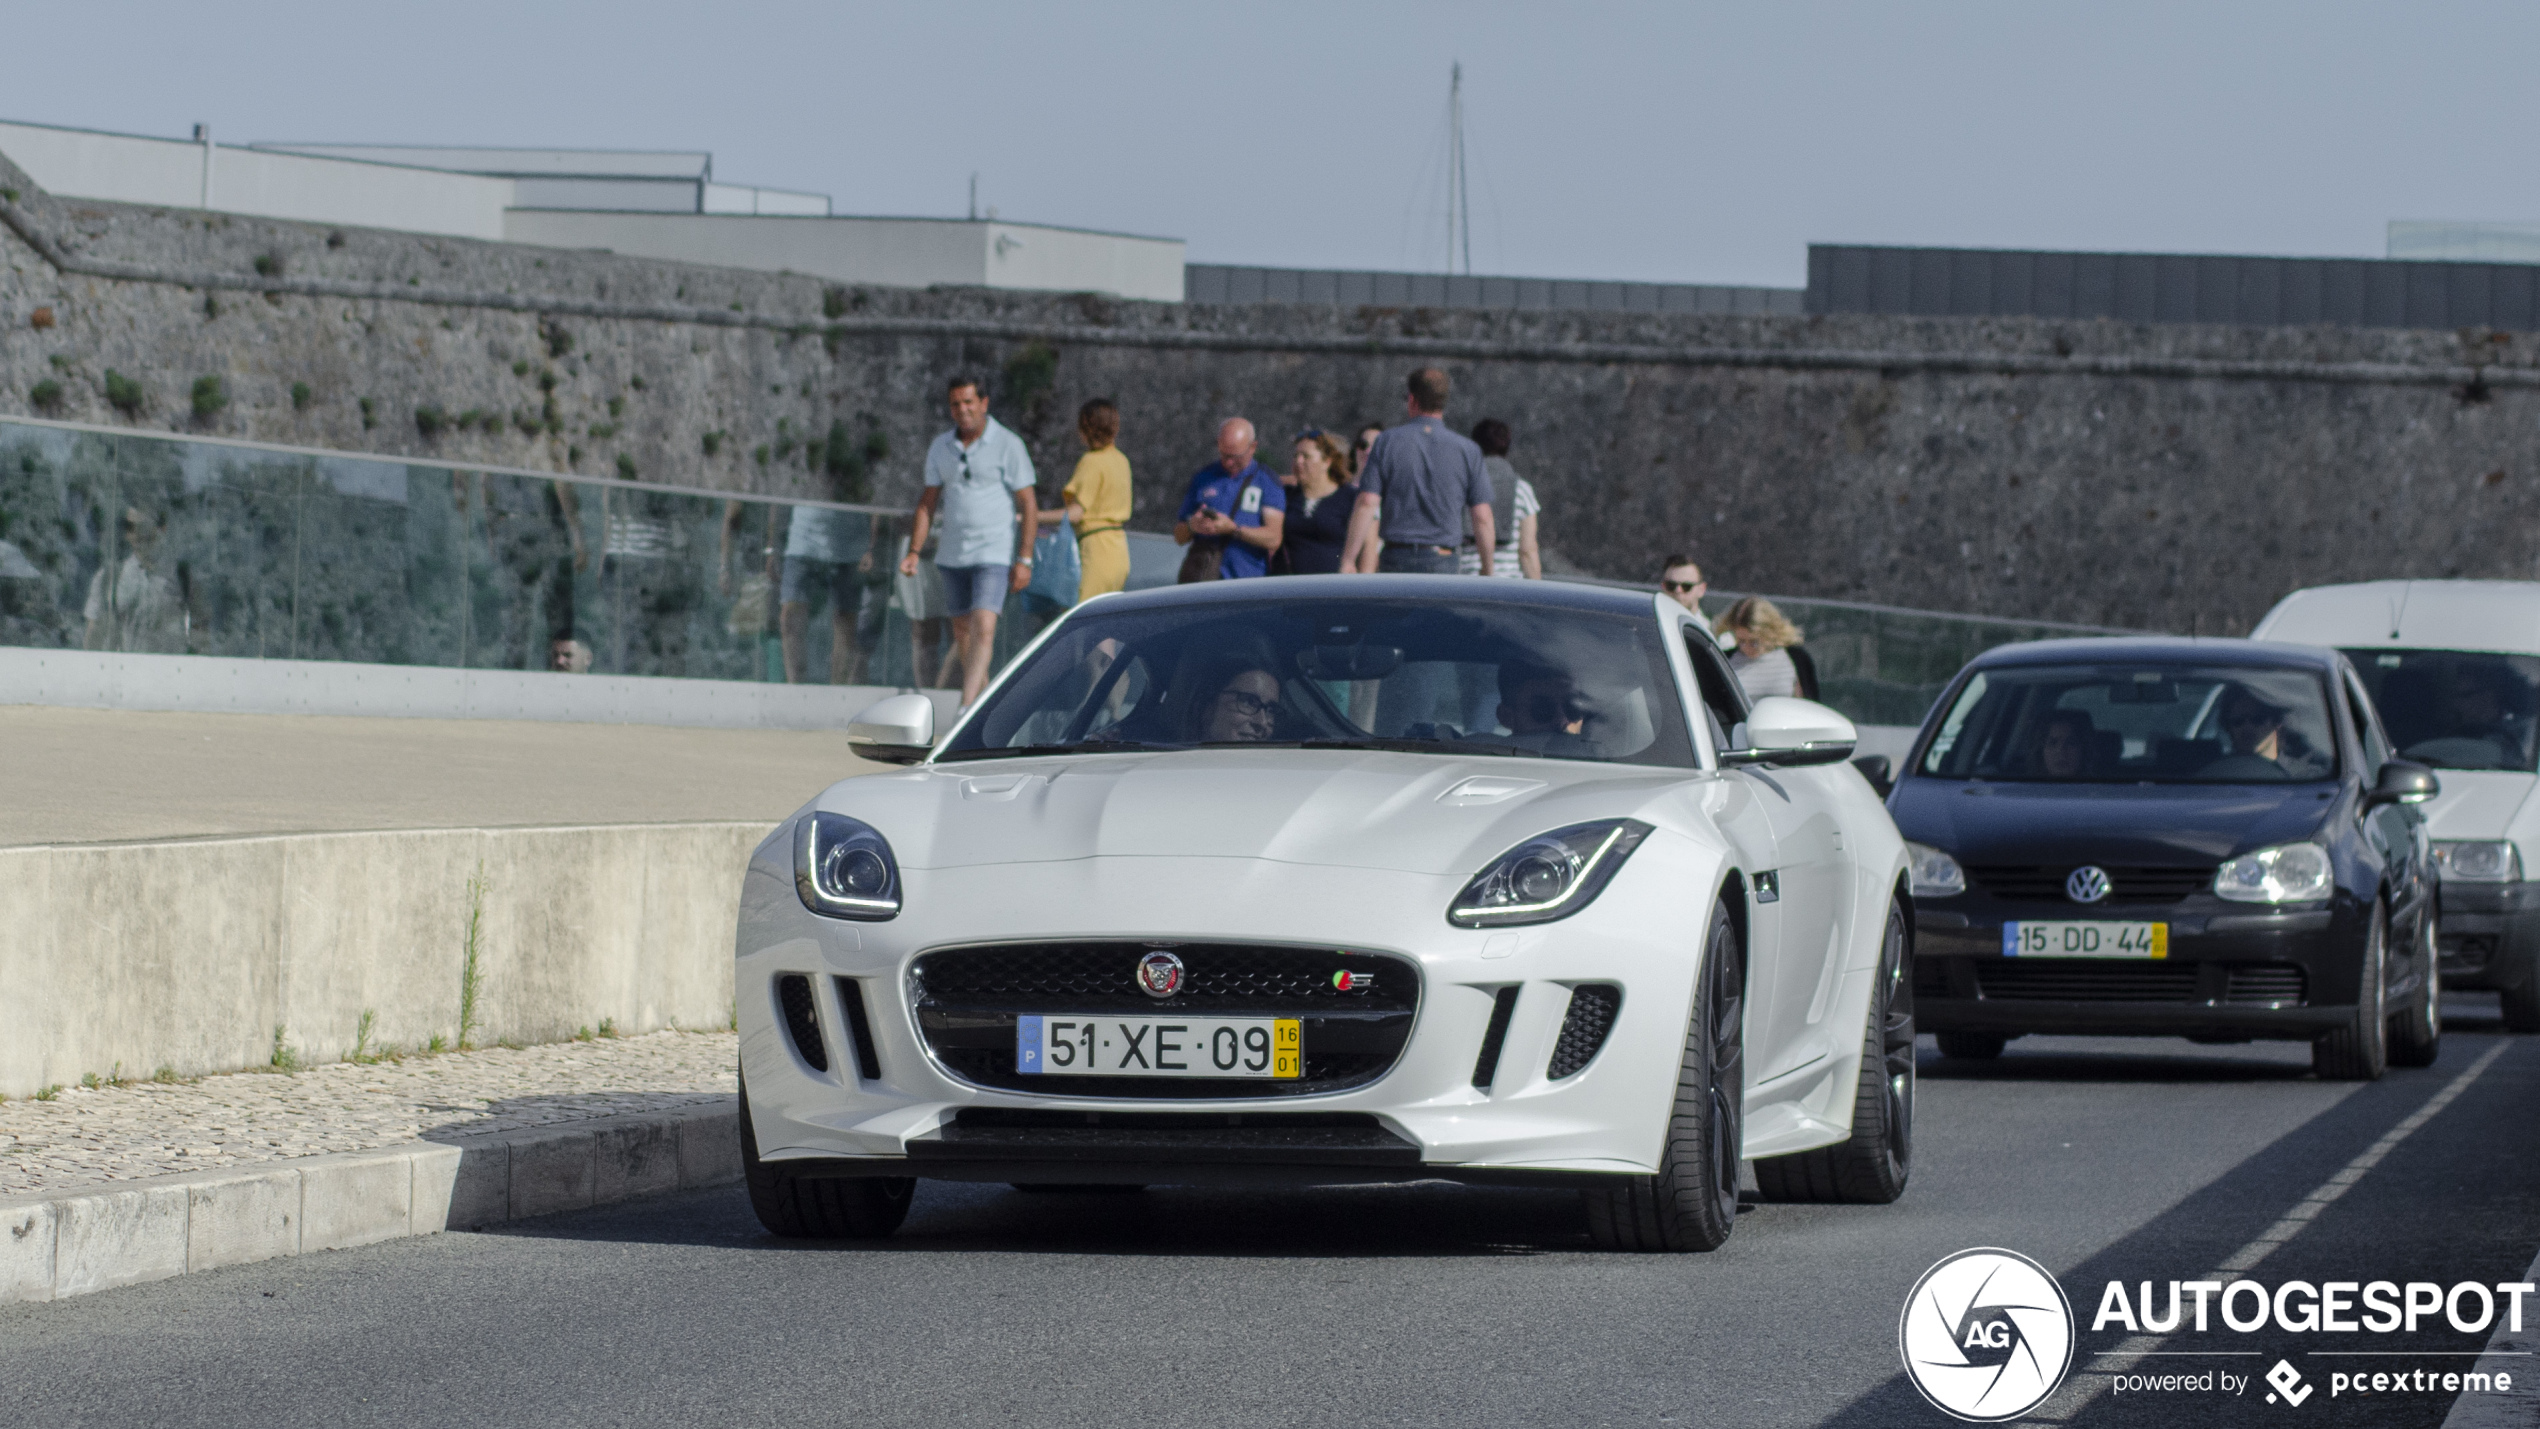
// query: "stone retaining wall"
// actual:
[[2169, 476]]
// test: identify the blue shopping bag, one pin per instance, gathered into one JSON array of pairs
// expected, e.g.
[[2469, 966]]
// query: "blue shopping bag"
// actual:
[[1057, 572]]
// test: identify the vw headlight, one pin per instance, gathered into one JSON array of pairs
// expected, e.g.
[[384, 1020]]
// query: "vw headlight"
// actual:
[[2287, 873], [843, 868], [1548, 876], [2478, 861], [1930, 873]]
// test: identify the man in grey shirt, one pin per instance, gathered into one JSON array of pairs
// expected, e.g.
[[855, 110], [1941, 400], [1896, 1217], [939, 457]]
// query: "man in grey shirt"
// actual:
[[1421, 482]]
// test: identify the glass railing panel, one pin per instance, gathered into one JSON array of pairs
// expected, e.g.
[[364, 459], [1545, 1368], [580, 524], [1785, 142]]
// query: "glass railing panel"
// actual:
[[132, 541]]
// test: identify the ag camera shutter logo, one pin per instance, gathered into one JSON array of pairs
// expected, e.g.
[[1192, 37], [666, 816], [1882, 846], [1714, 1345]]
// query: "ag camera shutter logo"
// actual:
[[1986, 1335]]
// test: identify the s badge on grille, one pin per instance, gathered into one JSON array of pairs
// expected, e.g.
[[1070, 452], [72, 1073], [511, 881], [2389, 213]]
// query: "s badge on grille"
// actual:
[[1160, 974], [1354, 982], [2088, 884]]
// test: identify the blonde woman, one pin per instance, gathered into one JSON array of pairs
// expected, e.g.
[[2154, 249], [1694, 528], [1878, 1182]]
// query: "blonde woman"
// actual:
[[1764, 637], [1097, 498]]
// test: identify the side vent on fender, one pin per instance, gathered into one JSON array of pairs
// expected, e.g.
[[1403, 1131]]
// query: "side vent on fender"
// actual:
[[793, 993], [1486, 1066], [868, 1063], [1585, 1027]]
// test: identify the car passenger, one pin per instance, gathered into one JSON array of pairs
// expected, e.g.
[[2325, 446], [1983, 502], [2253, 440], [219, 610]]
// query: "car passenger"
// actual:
[[1243, 708], [2063, 747]]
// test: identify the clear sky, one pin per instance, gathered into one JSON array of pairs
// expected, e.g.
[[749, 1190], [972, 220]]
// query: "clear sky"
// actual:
[[1680, 143]]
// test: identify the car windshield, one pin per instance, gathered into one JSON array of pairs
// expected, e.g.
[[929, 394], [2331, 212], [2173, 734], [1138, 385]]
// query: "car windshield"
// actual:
[[1465, 678], [2131, 723], [2455, 709]]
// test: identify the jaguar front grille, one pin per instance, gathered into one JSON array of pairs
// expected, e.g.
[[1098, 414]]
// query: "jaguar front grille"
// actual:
[[1354, 1009]]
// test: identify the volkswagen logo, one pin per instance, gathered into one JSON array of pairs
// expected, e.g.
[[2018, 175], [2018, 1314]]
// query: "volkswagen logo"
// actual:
[[1986, 1335], [2088, 884], [1160, 974]]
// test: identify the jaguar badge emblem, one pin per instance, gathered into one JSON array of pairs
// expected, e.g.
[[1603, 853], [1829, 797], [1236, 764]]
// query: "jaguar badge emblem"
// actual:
[[1160, 974], [2088, 884]]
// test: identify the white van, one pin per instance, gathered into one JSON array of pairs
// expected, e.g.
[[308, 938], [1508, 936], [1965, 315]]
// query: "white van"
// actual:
[[2454, 668]]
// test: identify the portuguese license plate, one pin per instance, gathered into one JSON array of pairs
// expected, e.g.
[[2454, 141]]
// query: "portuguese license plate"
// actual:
[[1270, 1048], [2085, 940]]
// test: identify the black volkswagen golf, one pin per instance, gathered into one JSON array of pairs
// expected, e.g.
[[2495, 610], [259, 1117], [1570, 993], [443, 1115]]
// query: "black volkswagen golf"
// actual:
[[2170, 837]]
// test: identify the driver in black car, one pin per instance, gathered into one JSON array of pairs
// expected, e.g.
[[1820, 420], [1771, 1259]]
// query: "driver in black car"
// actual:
[[2256, 731]]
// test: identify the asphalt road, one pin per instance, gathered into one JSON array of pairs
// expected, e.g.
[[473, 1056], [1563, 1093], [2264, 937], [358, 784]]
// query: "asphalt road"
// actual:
[[1426, 1305]]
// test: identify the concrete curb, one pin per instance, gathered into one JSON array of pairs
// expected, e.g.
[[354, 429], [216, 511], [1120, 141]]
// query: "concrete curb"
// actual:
[[128, 1232]]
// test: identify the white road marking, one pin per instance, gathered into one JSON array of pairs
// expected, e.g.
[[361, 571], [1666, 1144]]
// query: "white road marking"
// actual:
[[2236, 1265]]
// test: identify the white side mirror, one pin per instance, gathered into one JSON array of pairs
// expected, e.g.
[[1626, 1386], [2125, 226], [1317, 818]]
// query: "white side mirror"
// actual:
[[1782, 730], [899, 730]]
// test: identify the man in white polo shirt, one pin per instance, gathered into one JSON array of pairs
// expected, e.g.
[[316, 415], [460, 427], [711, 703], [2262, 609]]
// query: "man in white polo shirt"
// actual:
[[979, 476]]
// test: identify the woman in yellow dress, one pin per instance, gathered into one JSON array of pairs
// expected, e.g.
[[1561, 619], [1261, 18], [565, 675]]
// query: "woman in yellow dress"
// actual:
[[1097, 498]]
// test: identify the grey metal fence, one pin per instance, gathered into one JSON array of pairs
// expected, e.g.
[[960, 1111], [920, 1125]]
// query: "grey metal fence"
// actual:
[[2172, 287], [1217, 283]]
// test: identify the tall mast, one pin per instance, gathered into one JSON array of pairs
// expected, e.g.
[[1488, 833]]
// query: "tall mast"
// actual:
[[1459, 198]]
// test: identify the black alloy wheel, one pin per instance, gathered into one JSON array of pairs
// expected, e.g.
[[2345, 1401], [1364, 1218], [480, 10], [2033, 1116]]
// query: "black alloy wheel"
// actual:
[[1869, 1167], [2360, 1050], [796, 1208], [1970, 1046], [2416, 1032], [1691, 1204]]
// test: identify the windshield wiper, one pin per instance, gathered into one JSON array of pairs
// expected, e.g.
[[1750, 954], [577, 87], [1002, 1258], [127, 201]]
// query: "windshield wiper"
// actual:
[[1121, 746], [1406, 746]]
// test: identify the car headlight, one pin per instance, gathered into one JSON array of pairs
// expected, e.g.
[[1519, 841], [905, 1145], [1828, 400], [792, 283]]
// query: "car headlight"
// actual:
[[2287, 873], [1548, 876], [1930, 873], [843, 868], [2478, 860]]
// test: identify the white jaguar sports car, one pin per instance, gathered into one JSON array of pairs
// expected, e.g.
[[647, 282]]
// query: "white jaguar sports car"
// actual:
[[1340, 879]]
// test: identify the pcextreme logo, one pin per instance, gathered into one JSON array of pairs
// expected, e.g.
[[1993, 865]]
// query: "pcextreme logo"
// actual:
[[1986, 1335]]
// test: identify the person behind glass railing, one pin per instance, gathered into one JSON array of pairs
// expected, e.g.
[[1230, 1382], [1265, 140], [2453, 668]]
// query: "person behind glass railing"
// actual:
[[1513, 511], [133, 604], [1319, 503], [1764, 638], [1096, 500]]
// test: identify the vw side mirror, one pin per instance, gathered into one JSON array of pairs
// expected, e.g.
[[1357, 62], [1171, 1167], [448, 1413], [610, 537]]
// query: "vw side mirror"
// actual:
[[899, 730], [1876, 769], [2403, 783], [1793, 732]]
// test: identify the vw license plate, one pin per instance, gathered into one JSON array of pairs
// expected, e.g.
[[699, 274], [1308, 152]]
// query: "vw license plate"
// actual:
[[1264, 1047], [2085, 940]]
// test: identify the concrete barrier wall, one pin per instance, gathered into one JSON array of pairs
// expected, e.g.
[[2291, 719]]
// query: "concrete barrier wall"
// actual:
[[189, 955], [226, 685]]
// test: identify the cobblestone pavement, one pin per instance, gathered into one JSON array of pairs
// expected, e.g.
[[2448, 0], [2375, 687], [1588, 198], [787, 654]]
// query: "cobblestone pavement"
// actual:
[[85, 1137]]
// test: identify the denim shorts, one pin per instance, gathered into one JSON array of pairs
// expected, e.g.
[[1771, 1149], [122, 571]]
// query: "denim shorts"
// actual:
[[803, 576], [969, 588]]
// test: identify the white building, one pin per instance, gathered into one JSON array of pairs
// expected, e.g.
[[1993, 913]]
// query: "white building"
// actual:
[[2465, 242], [647, 204]]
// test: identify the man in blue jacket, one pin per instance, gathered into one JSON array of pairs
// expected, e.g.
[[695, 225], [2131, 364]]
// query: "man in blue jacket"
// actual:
[[1235, 503]]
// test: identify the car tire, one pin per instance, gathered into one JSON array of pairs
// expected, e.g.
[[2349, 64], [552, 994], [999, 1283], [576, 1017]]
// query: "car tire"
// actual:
[[1971, 1046], [797, 1208], [1870, 1166], [2416, 1034], [2360, 1050], [2521, 1005], [1691, 1204]]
